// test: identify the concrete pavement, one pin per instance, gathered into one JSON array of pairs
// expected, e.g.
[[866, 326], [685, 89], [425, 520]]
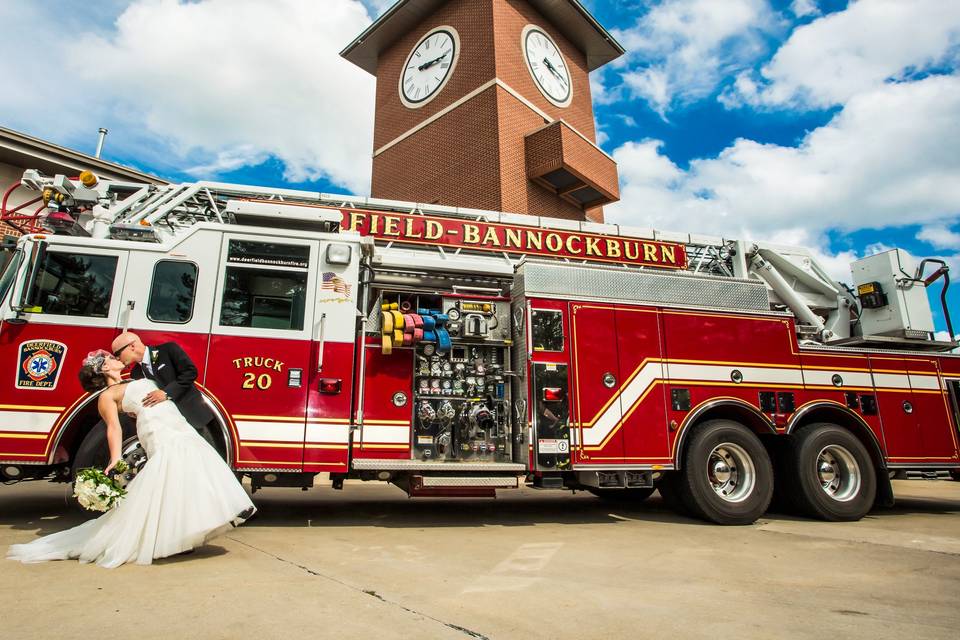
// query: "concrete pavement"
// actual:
[[368, 562]]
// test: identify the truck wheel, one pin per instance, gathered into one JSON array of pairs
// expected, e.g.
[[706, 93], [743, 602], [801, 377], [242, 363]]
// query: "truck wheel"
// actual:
[[93, 450], [727, 476], [622, 495], [829, 474]]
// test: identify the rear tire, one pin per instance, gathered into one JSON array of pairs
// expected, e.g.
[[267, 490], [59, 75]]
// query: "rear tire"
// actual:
[[829, 474], [727, 475], [622, 495]]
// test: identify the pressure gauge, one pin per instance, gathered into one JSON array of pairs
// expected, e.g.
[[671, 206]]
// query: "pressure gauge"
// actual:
[[447, 384], [435, 384], [424, 385], [447, 367], [453, 313], [471, 380], [429, 349]]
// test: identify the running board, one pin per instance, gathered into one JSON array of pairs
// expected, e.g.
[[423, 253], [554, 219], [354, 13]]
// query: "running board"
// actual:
[[375, 464], [459, 486]]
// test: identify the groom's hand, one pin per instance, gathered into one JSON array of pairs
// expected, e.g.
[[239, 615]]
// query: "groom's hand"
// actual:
[[154, 397]]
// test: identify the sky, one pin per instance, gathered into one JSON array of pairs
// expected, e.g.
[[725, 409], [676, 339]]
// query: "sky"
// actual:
[[829, 124]]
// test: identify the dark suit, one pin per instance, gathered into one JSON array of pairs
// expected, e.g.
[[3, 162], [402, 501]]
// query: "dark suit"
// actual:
[[174, 373]]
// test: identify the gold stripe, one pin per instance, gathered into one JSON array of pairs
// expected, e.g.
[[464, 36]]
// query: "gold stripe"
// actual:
[[329, 420], [25, 436], [267, 418], [275, 445], [30, 407], [326, 446], [402, 423], [365, 445], [23, 455]]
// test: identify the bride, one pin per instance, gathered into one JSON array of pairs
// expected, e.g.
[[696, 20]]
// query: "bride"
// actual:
[[182, 497]]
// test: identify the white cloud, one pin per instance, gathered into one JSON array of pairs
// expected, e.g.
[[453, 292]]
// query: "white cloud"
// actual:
[[940, 236], [212, 84], [681, 49], [886, 160], [804, 8], [830, 60]]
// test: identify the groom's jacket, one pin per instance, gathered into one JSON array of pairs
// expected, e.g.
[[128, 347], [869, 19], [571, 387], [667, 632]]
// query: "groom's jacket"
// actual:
[[174, 373]]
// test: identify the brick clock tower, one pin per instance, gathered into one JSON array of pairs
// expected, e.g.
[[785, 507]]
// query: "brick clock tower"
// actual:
[[486, 104]]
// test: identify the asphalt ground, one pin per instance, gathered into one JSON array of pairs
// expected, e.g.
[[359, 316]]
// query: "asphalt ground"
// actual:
[[367, 562]]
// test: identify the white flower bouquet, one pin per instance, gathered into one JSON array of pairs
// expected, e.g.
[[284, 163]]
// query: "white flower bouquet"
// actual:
[[96, 491]]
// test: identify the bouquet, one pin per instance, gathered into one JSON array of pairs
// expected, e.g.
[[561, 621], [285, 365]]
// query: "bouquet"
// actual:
[[96, 491]]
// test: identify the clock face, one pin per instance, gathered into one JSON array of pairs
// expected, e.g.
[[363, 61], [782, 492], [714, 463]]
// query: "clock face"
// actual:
[[546, 65], [429, 66]]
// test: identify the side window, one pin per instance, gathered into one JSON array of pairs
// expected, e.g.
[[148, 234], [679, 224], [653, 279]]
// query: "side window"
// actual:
[[172, 292], [270, 290], [547, 329], [74, 285]]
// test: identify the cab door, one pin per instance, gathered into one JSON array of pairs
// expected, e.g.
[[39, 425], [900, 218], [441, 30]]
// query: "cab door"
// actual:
[[261, 345]]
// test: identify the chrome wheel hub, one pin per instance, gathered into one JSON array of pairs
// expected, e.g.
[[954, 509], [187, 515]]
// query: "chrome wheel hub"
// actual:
[[731, 472], [838, 473]]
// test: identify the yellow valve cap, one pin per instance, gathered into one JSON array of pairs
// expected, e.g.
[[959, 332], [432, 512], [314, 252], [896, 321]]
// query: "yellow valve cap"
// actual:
[[88, 179]]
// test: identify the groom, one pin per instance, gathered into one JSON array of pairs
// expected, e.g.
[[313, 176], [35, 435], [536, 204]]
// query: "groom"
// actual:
[[174, 372]]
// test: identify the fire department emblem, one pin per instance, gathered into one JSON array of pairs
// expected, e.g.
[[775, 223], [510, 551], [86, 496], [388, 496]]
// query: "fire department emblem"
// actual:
[[40, 364]]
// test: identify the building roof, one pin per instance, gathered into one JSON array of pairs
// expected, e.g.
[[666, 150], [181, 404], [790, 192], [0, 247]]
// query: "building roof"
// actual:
[[20, 150], [569, 16]]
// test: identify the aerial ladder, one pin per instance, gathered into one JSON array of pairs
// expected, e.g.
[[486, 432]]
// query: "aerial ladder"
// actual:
[[887, 309]]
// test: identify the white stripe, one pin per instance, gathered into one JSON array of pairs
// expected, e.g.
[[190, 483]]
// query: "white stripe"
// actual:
[[275, 431], [721, 373], [387, 434], [924, 382], [328, 433], [891, 381], [824, 378], [27, 421]]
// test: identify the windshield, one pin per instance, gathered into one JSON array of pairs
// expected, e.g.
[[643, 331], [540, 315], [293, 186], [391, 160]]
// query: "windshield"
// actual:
[[10, 272]]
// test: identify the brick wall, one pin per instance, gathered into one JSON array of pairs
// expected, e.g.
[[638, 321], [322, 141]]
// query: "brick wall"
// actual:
[[453, 161]]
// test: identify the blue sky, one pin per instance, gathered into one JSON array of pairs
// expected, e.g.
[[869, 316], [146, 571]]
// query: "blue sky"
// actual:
[[824, 123]]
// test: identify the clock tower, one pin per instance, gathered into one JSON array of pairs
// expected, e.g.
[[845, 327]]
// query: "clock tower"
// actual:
[[486, 104]]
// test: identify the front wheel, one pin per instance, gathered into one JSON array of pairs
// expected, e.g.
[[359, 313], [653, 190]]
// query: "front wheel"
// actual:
[[727, 476], [829, 474]]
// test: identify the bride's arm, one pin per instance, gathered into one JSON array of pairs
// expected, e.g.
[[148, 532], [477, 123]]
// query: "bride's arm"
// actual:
[[108, 411]]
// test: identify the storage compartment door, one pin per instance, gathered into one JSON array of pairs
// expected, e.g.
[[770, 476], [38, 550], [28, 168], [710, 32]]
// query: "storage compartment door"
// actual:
[[642, 399], [597, 384]]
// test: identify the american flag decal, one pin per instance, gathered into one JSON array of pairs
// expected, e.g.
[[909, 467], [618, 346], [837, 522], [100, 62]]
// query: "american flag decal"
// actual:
[[333, 282]]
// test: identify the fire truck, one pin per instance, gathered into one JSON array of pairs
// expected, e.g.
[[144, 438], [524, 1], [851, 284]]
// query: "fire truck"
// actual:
[[459, 352]]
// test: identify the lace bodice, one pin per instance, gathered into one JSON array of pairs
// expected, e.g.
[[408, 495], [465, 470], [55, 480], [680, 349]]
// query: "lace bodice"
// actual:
[[134, 393]]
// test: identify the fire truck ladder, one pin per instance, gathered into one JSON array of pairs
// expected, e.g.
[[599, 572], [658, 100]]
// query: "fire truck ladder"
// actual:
[[148, 212]]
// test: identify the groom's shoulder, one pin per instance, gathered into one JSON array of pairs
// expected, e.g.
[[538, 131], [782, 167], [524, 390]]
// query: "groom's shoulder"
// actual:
[[169, 347]]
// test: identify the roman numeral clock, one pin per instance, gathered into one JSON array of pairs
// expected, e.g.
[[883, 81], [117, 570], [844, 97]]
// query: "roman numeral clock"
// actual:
[[486, 104]]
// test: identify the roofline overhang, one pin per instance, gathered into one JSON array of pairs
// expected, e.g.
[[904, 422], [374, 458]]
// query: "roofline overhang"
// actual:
[[596, 42], [48, 153]]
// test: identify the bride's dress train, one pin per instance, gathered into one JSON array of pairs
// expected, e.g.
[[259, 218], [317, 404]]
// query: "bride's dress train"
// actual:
[[183, 496]]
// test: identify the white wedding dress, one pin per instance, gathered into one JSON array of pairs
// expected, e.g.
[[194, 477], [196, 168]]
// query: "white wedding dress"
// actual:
[[183, 496]]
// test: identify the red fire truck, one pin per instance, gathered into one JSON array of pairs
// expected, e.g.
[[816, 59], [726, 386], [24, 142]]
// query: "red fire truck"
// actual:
[[458, 352]]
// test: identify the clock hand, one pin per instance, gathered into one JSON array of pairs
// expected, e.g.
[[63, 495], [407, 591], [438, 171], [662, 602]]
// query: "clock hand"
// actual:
[[427, 65], [552, 70]]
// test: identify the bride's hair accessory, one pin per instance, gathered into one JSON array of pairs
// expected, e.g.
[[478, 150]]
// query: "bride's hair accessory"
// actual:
[[91, 371], [95, 359]]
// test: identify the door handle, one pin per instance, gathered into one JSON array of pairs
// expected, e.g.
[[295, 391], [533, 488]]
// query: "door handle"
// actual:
[[322, 331], [609, 380]]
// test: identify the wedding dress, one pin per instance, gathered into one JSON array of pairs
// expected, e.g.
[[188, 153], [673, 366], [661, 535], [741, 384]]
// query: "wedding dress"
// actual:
[[183, 496]]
